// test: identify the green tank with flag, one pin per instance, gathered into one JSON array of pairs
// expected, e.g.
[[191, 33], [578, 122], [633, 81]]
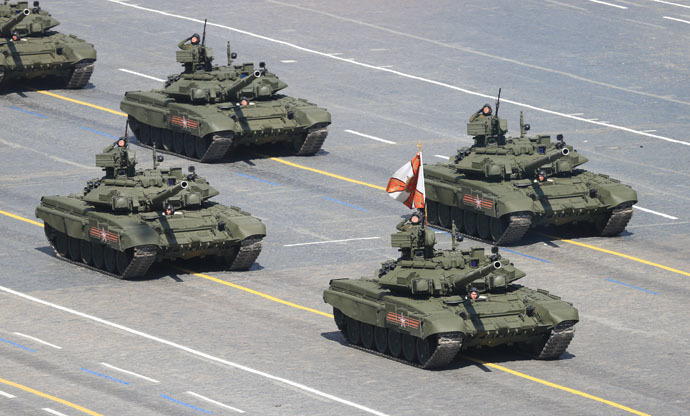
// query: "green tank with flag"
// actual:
[[208, 110], [501, 186], [130, 218], [31, 49], [429, 305]]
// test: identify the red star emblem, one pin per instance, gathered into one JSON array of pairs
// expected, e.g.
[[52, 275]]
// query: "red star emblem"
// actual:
[[103, 235], [478, 202], [184, 121], [402, 321]]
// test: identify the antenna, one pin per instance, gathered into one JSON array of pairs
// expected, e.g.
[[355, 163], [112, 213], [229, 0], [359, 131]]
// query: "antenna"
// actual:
[[498, 101], [203, 37]]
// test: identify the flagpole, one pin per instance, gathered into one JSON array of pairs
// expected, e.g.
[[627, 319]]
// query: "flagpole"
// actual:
[[419, 145]]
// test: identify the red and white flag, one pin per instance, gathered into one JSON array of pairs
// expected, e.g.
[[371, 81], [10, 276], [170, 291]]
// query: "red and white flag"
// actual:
[[407, 183]]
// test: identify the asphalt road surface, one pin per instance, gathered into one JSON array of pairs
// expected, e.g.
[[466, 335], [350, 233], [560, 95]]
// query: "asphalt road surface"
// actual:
[[611, 76]]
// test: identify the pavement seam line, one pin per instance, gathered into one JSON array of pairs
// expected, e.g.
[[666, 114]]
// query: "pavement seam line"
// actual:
[[328, 315], [49, 397]]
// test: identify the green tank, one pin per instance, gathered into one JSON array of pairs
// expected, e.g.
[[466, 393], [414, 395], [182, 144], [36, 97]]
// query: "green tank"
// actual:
[[30, 48], [125, 221], [501, 186], [428, 305], [205, 111]]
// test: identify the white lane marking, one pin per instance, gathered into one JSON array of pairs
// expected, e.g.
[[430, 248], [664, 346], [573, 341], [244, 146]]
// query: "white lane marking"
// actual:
[[141, 75], [131, 373], [334, 54], [661, 214], [608, 4], [288, 61], [49, 156], [370, 137], [385, 66], [9, 396], [577, 114], [672, 4], [378, 49], [443, 157], [55, 412], [592, 119], [649, 131], [193, 351], [401, 74], [331, 241], [676, 19], [38, 340], [215, 402]]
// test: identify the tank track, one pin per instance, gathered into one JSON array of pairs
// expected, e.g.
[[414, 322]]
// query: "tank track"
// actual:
[[556, 344], [217, 149], [313, 142], [247, 254], [617, 221], [81, 75], [517, 228], [142, 260]]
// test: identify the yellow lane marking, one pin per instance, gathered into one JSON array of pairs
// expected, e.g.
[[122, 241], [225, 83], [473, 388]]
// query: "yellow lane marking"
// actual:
[[323, 172], [48, 396], [625, 256], [72, 100], [256, 292], [17, 217], [558, 386], [328, 315]]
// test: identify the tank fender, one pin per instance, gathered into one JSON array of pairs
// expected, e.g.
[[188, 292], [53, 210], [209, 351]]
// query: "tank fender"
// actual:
[[138, 235], [555, 312], [244, 227], [355, 307], [522, 204], [309, 116], [212, 123], [615, 194], [440, 324], [63, 222], [79, 51]]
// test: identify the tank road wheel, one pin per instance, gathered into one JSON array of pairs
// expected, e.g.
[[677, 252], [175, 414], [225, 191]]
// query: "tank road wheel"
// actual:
[[367, 335], [483, 226], [470, 221], [109, 259], [409, 347], [144, 134], [381, 339], [167, 139], [423, 350], [444, 218], [394, 343], [61, 243], [339, 318], [201, 144], [122, 260], [190, 145], [458, 215], [73, 248], [498, 226], [2, 74], [156, 137], [85, 250], [97, 255], [432, 212], [178, 142], [353, 331]]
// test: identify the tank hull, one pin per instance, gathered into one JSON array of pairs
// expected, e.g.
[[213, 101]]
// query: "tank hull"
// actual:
[[65, 57], [526, 318], [207, 132], [74, 228], [483, 208]]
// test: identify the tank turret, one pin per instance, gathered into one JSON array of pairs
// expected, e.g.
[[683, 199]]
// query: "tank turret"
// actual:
[[8, 26], [543, 157]]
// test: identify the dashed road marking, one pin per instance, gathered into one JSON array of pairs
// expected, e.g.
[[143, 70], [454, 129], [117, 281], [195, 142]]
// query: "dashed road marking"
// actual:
[[631, 286], [215, 402], [671, 4], [86, 370], [676, 19], [48, 396], [53, 412], [345, 203], [608, 4], [288, 61], [443, 157], [131, 373], [38, 340], [141, 75], [331, 241], [370, 137], [9, 396], [166, 397], [661, 214]]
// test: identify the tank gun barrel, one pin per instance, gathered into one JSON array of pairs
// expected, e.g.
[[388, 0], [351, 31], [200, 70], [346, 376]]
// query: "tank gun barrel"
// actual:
[[461, 281], [6, 28], [546, 158], [167, 193], [243, 82]]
